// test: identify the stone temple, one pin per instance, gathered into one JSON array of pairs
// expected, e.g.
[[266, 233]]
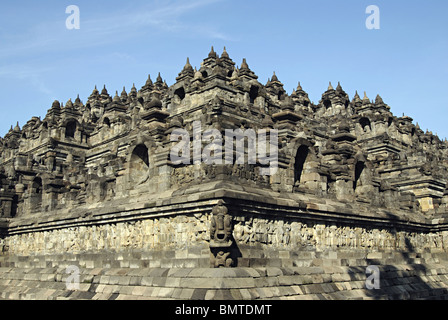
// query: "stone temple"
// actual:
[[93, 207]]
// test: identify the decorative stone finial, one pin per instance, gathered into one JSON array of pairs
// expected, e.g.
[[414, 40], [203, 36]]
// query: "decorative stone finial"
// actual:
[[212, 53], [244, 65], [188, 66], [17, 127], [116, 97], [69, 104], [124, 95], [379, 100], [197, 74], [56, 105], [357, 100], [95, 93], [339, 88], [104, 91], [225, 54], [149, 81], [133, 92], [366, 99]]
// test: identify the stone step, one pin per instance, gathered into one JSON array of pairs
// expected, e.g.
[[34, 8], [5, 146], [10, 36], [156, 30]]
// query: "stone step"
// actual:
[[319, 275], [332, 282]]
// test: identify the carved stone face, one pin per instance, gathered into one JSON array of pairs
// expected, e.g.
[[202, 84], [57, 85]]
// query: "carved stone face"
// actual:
[[97, 111], [221, 226]]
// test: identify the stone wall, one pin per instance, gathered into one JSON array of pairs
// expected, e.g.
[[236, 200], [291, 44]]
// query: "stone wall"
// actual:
[[293, 234], [179, 232], [176, 232]]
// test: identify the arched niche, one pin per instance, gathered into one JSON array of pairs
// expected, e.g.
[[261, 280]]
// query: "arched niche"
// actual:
[[106, 122], [139, 164], [359, 170], [36, 191], [301, 157], [365, 124], [70, 129], [180, 93], [253, 93]]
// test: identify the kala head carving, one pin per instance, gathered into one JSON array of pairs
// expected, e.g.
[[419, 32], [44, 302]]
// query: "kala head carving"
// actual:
[[221, 240], [221, 226]]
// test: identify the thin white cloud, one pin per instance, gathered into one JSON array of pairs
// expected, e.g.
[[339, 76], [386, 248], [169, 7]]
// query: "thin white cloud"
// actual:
[[31, 74], [166, 18], [112, 27], [51, 37]]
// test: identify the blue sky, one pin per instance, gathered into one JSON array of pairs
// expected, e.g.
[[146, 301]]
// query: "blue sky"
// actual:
[[120, 42]]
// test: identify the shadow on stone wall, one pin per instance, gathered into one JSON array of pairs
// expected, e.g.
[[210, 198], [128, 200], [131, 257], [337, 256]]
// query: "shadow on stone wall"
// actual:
[[406, 277]]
